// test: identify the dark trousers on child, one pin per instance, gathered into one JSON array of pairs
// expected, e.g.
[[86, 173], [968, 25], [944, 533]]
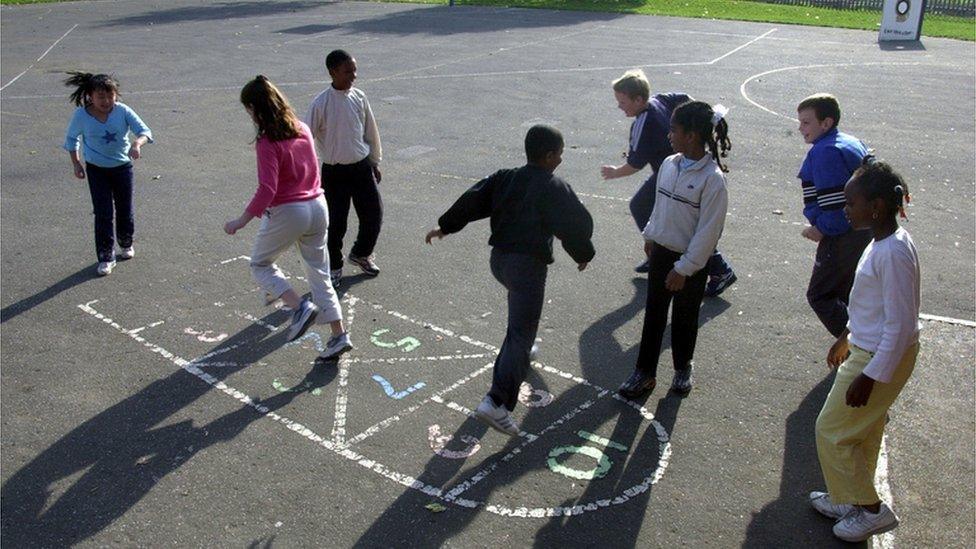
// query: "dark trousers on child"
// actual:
[[111, 195], [341, 184], [684, 316], [641, 206], [833, 277], [524, 276]]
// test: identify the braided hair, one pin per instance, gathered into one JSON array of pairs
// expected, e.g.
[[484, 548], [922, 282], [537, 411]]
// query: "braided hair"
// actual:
[[86, 83], [696, 117], [879, 180], [272, 113]]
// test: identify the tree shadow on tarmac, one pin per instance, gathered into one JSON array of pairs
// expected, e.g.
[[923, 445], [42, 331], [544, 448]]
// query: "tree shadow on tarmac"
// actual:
[[789, 521], [80, 277], [120, 454], [406, 523], [219, 11]]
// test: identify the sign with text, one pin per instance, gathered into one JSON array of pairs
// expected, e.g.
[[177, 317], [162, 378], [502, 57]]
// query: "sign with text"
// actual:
[[901, 20]]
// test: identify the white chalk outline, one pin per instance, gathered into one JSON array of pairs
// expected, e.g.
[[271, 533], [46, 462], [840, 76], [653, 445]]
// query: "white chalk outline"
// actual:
[[38, 60]]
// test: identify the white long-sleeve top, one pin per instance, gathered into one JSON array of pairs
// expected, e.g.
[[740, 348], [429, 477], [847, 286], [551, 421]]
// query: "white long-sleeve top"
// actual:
[[343, 127], [689, 212], [884, 303]]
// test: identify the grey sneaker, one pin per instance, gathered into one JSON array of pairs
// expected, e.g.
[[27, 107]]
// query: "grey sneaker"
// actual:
[[860, 524], [105, 268], [126, 253], [718, 284], [821, 502], [336, 346], [682, 381], [643, 267], [496, 417], [336, 276], [365, 263], [301, 319]]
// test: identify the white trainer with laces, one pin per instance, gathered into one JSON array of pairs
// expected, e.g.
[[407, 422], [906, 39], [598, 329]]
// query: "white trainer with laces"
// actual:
[[336, 346], [496, 417], [860, 524], [127, 253], [822, 503], [301, 319], [105, 268]]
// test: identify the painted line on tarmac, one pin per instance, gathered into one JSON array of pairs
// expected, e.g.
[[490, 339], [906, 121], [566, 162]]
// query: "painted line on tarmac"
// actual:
[[36, 61], [948, 320], [357, 360]]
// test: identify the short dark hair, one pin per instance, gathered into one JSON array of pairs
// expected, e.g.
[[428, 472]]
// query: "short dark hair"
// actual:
[[336, 58], [879, 180], [540, 140], [824, 106], [86, 83]]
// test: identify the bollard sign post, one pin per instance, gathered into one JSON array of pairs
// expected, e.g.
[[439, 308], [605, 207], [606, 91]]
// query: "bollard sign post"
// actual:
[[901, 20]]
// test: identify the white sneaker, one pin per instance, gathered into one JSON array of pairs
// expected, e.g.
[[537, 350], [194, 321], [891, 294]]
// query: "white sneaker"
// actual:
[[301, 319], [336, 346], [496, 417], [105, 268], [127, 253], [821, 502], [860, 524]]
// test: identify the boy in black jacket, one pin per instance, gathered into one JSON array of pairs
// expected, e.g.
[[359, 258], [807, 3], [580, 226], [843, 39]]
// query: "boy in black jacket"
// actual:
[[527, 206]]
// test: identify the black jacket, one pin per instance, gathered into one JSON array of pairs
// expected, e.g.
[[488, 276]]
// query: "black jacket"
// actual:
[[527, 206]]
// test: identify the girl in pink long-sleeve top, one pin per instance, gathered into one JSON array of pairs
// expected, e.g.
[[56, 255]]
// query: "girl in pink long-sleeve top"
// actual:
[[293, 211]]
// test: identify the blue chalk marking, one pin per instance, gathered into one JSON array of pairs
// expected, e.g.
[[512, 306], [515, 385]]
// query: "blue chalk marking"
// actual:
[[390, 392]]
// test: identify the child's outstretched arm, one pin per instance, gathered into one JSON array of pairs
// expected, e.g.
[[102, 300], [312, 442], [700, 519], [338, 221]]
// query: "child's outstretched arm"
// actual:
[[235, 225], [613, 172]]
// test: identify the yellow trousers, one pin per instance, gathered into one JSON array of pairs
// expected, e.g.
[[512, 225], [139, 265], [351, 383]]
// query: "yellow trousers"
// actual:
[[849, 439]]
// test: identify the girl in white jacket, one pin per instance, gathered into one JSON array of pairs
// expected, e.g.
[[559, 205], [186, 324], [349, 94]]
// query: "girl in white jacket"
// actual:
[[681, 235]]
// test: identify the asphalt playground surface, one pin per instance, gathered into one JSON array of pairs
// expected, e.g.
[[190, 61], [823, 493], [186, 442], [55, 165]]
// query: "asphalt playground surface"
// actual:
[[159, 407]]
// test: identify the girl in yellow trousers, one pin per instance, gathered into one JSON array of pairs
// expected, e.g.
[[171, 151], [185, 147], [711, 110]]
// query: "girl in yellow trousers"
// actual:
[[880, 345]]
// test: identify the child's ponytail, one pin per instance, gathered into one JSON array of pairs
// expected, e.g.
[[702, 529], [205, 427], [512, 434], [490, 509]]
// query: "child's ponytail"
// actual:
[[270, 109], [709, 124], [85, 83]]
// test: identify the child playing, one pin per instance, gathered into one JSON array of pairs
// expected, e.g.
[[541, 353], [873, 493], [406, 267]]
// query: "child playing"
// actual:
[[292, 209], [880, 345], [103, 124], [348, 144], [832, 159], [527, 206], [681, 234], [649, 145]]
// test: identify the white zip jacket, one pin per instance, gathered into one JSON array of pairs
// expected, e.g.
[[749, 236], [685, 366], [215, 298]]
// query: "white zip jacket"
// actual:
[[343, 126], [689, 213]]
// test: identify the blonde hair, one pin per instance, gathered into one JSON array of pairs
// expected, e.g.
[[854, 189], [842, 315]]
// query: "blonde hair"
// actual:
[[633, 83], [272, 113]]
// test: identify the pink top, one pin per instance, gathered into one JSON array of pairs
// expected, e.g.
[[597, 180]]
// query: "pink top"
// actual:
[[288, 171]]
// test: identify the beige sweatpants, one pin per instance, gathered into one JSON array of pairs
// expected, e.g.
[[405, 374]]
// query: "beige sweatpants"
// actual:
[[305, 224], [849, 439]]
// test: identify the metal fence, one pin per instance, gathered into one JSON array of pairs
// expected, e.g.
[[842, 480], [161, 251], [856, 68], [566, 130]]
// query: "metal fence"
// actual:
[[961, 8]]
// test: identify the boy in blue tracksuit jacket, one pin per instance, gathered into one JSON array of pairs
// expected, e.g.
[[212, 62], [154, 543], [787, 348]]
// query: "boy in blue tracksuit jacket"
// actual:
[[828, 166]]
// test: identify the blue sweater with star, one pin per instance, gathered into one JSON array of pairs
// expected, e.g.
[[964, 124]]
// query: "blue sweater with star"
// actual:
[[106, 144]]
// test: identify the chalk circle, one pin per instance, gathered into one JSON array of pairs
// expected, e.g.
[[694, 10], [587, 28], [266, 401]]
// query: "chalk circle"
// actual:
[[439, 442], [526, 392], [603, 463]]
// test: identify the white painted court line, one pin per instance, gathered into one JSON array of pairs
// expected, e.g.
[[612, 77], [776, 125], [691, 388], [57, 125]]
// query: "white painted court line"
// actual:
[[36, 61], [747, 44]]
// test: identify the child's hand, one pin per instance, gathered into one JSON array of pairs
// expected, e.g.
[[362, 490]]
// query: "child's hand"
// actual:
[[838, 352], [581, 266], [377, 175], [436, 233], [608, 172], [234, 225], [134, 151], [674, 281], [79, 170], [648, 248], [812, 233], [859, 391]]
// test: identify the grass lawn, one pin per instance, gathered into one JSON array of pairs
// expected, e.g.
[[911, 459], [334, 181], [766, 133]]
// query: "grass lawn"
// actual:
[[962, 28]]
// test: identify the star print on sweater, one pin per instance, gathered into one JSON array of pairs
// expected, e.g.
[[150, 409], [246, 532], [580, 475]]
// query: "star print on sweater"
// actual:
[[110, 137]]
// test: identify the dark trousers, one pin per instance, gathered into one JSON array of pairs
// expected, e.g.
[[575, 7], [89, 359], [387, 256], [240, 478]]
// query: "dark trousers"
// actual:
[[341, 184], [524, 276], [833, 277], [111, 194], [684, 316], [641, 206]]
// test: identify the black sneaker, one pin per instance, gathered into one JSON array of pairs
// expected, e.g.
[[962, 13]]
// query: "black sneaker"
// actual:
[[643, 267], [682, 383], [638, 385], [365, 263], [718, 284]]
